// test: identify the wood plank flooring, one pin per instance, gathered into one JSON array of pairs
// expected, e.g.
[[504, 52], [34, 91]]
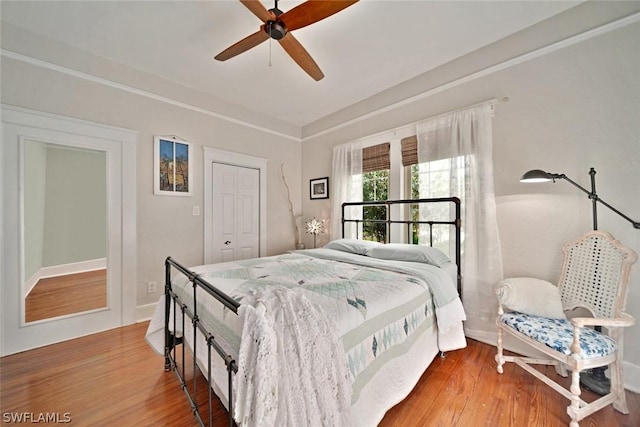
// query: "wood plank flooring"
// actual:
[[68, 294], [115, 378]]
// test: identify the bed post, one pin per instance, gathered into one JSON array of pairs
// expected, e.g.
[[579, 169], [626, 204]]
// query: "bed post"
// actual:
[[168, 344], [458, 246], [230, 369]]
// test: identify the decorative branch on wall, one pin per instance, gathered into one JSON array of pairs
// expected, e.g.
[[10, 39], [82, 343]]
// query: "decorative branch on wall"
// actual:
[[295, 218]]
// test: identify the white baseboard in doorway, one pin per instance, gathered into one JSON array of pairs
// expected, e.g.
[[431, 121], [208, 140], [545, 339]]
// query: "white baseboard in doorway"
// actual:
[[145, 312], [65, 269]]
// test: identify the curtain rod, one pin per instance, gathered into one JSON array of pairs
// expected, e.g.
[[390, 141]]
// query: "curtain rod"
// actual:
[[493, 102]]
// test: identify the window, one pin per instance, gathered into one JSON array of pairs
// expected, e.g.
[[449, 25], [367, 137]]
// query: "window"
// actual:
[[466, 133], [375, 186], [442, 177], [391, 171], [438, 178]]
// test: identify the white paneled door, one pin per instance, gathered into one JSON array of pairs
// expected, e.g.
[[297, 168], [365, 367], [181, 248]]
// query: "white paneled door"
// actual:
[[236, 212]]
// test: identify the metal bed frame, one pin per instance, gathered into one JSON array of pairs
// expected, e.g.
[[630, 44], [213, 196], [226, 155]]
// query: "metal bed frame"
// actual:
[[171, 340], [456, 222], [173, 303]]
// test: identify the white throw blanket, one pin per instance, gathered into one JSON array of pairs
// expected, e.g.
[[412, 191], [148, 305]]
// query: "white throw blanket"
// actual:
[[292, 366]]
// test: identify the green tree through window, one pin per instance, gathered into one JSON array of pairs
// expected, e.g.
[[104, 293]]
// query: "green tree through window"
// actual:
[[375, 186]]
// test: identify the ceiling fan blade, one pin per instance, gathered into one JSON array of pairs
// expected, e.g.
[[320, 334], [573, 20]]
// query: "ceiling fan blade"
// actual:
[[243, 45], [312, 11], [299, 54], [258, 9]]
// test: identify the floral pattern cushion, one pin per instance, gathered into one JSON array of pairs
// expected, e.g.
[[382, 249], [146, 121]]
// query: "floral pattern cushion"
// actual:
[[558, 334]]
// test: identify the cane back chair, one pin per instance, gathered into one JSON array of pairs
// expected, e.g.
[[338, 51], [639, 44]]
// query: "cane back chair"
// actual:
[[595, 277]]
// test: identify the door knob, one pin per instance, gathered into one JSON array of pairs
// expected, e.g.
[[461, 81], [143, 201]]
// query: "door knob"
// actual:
[[227, 242]]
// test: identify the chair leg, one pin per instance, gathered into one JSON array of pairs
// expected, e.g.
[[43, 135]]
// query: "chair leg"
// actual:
[[499, 357], [575, 398], [617, 387]]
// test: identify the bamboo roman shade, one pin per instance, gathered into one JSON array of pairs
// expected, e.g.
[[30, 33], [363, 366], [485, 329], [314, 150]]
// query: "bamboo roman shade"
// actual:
[[409, 150], [376, 158]]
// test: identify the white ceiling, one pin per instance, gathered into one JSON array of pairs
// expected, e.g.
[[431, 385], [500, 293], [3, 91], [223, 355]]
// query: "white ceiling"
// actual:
[[363, 50]]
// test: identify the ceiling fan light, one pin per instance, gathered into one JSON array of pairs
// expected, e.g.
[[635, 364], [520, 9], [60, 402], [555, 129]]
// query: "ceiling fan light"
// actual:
[[277, 25], [275, 29]]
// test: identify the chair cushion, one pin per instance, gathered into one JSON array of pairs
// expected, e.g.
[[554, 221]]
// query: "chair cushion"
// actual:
[[558, 334]]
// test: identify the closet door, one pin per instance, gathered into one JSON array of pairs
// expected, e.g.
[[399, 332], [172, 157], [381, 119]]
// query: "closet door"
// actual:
[[236, 213]]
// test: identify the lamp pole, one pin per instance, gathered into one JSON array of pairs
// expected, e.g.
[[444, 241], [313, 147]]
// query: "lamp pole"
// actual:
[[594, 198], [591, 194]]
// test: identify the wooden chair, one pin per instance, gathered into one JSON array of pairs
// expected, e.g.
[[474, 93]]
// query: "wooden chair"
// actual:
[[595, 277]]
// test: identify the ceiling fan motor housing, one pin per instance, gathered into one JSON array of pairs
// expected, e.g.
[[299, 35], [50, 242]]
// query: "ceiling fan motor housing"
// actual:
[[275, 29]]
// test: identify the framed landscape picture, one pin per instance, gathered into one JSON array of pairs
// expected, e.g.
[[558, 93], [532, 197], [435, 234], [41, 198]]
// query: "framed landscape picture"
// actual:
[[319, 188], [171, 167]]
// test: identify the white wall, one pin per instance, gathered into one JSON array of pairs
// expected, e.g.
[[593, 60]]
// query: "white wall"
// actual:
[[34, 206], [571, 108], [75, 221], [165, 224]]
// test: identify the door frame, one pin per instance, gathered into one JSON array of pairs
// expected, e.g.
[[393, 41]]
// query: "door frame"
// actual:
[[214, 155], [20, 124]]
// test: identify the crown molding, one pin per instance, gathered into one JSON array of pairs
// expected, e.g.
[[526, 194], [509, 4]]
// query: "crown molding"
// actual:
[[115, 85], [536, 53]]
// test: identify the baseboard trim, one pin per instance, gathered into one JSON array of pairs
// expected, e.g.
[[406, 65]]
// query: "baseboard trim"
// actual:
[[490, 338], [631, 373], [65, 269], [145, 312]]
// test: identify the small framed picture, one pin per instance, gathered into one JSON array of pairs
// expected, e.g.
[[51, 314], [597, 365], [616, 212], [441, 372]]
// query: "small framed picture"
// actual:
[[319, 188], [171, 167]]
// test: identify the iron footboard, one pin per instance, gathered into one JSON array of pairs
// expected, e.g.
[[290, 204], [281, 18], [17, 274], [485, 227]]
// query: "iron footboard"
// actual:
[[173, 340]]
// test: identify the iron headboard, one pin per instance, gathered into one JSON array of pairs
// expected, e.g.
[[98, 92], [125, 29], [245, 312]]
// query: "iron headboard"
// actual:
[[456, 222]]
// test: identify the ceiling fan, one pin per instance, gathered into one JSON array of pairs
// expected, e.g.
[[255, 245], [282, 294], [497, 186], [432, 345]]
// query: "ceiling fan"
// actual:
[[278, 25]]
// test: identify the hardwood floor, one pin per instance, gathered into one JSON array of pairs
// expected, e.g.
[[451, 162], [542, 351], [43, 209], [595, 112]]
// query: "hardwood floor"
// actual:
[[114, 378], [50, 296]]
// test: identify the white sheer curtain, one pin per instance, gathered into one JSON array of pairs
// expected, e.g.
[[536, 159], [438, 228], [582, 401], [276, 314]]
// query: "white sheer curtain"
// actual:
[[464, 140], [347, 187]]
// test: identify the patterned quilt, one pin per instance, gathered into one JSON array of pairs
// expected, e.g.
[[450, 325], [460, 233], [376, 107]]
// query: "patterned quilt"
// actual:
[[379, 311]]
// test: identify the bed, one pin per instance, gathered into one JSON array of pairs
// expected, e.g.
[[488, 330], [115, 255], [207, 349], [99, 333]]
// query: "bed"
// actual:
[[329, 336]]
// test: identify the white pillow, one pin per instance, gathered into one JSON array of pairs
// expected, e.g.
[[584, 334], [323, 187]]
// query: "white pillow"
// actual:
[[407, 252], [531, 296], [353, 246]]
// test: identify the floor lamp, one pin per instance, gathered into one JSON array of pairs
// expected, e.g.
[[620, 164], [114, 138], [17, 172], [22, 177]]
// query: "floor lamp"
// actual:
[[596, 380], [537, 175]]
